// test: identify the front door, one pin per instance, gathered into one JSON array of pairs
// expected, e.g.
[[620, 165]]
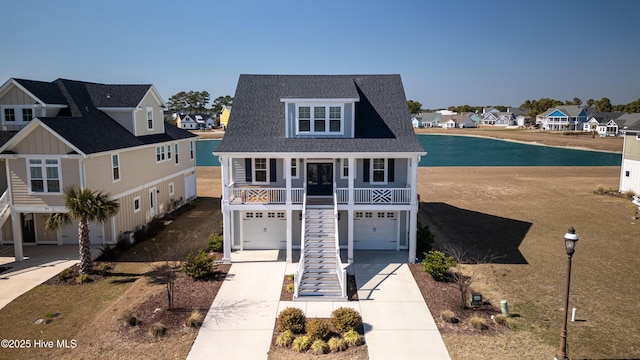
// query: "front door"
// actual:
[[28, 228], [319, 179], [153, 202]]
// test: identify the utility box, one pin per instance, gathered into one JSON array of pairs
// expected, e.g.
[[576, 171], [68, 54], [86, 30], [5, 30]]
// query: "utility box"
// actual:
[[476, 299]]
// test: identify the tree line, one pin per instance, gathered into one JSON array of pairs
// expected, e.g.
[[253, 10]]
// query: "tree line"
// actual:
[[196, 102]]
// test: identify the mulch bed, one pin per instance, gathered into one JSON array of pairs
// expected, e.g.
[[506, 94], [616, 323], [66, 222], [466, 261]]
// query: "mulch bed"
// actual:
[[441, 296], [72, 273], [189, 295]]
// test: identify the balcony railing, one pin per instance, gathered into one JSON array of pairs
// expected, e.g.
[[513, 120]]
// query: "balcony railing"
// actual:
[[259, 195]]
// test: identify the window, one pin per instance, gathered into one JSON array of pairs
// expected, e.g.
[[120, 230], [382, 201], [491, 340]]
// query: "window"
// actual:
[[294, 169], [44, 175], [304, 119], [136, 204], [171, 189], [9, 115], [319, 119], [271, 215], [280, 215], [115, 167], [335, 119], [345, 169], [169, 152], [27, 114], [249, 215], [326, 119], [378, 171], [176, 147], [627, 173], [358, 214], [380, 215], [160, 154], [391, 215], [260, 170], [258, 215], [191, 149], [368, 214], [150, 118]]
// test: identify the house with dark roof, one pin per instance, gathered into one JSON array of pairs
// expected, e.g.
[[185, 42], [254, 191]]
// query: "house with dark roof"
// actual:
[[630, 169], [194, 121], [604, 123], [320, 163], [104, 137]]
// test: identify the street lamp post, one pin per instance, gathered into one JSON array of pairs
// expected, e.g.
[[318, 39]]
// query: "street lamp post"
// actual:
[[570, 240]]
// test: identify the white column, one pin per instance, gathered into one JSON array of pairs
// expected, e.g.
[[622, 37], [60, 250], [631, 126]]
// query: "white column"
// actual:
[[414, 180], [226, 230], [413, 224], [224, 175], [287, 177], [16, 224], [289, 236], [352, 176], [350, 234]]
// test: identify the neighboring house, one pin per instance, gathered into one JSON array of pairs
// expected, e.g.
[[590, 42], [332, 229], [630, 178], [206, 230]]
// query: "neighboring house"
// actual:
[[103, 137], [464, 120], [630, 169], [194, 121], [224, 116], [604, 123], [494, 117], [319, 163], [564, 117], [425, 120]]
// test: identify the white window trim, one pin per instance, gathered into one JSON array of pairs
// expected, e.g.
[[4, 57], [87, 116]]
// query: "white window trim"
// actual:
[[139, 208], [176, 148], [17, 112], [638, 136], [113, 168], [386, 172], [253, 170], [344, 163], [295, 163], [327, 120], [191, 150], [43, 166], [168, 152], [146, 118], [162, 154], [172, 189]]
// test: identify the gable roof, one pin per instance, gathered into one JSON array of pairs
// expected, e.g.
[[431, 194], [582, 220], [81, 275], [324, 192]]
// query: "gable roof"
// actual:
[[257, 122], [629, 122], [568, 110], [86, 127]]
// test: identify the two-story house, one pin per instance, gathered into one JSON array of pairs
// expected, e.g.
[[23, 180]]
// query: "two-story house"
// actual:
[[320, 163], [224, 116], [110, 138], [564, 117], [630, 169]]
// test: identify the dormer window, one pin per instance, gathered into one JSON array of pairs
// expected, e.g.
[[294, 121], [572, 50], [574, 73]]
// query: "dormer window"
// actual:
[[149, 118], [320, 119], [27, 114]]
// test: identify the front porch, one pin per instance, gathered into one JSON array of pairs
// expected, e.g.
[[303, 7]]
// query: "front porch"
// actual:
[[247, 194]]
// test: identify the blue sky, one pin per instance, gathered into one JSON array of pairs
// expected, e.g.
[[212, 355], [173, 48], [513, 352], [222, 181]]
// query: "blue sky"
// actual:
[[447, 52]]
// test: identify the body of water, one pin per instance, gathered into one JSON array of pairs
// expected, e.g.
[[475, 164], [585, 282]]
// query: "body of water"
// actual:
[[450, 150]]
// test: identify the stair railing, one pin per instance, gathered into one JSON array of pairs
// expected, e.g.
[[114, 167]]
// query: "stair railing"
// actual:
[[342, 273], [297, 279]]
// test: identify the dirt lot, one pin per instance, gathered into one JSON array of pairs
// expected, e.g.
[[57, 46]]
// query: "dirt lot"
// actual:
[[552, 138]]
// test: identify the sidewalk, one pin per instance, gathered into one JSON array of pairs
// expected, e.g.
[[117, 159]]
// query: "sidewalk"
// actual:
[[240, 322]]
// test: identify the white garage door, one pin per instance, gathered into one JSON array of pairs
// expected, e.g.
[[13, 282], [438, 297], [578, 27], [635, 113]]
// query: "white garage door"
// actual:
[[375, 230], [190, 186], [70, 233], [264, 230]]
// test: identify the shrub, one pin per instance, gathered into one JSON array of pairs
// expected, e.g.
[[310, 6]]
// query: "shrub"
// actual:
[[317, 329], [424, 239], [448, 316], [478, 323], [501, 319], [82, 278], [108, 253], [285, 339], [157, 330], [216, 242], [629, 194], [600, 190], [103, 268], [291, 288], [336, 344], [64, 274], [344, 319], [352, 338], [194, 320], [302, 344], [200, 265], [291, 319], [129, 318], [437, 264], [291, 277], [319, 347]]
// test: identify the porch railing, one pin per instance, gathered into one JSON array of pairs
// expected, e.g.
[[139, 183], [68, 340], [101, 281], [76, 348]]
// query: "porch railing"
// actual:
[[260, 195], [375, 196], [297, 278]]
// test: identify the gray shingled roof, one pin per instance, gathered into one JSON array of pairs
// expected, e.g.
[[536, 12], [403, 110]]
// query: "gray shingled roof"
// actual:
[[48, 92], [86, 127], [257, 122]]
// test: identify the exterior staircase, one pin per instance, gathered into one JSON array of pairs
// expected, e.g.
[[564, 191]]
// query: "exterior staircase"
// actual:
[[319, 278]]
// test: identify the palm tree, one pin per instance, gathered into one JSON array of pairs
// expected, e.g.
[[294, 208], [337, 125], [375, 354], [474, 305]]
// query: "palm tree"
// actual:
[[84, 206]]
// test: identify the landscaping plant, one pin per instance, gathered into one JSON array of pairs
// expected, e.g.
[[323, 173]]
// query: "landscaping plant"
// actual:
[[285, 338], [292, 319], [317, 329], [344, 319], [319, 347], [437, 264], [302, 343], [352, 338], [200, 265], [336, 344]]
